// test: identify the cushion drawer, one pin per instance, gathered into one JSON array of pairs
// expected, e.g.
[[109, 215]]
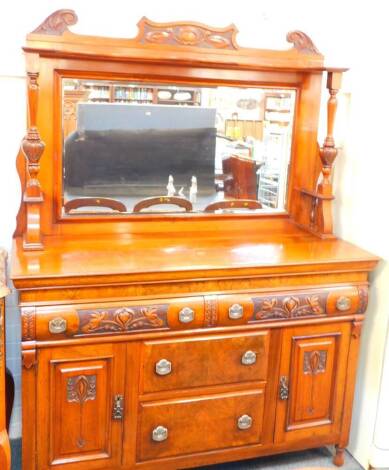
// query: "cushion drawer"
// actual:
[[175, 427], [65, 321], [204, 361]]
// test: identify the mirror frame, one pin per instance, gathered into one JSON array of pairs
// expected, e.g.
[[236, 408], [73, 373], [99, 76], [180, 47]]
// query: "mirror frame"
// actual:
[[179, 52]]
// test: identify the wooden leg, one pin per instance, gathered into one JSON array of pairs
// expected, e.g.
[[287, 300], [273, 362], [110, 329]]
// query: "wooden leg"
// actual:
[[339, 457]]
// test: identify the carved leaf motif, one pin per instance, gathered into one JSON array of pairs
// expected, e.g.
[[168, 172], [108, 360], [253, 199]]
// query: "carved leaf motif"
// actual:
[[313, 302], [315, 362], [123, 317], [269, 304], [81, 388], [151, 315], [94, 321]]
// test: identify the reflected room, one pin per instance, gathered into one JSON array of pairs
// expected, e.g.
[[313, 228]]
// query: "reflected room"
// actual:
[[142, 148]]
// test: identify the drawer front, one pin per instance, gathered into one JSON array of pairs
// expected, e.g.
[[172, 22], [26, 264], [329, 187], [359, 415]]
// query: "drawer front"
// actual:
[[203, 361], [178, 427], [61, 322]]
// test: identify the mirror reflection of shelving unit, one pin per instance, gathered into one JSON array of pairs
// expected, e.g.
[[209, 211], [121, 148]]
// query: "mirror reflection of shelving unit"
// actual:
[[276, 135]]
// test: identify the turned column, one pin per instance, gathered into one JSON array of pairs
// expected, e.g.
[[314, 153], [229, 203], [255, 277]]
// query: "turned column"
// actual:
[[328, 153], [32, 147]]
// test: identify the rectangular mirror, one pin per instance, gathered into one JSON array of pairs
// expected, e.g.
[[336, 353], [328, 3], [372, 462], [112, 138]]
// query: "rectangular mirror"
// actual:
[[138, 147]]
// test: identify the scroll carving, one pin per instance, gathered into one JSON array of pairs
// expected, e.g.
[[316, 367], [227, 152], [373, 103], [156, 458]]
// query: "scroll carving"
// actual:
[[285, 307], [123, 319], [302, 42], [187, 34], [57, 23], [210, 311]]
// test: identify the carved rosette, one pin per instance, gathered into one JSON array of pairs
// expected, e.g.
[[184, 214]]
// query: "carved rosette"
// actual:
[[122, 320], [187, 34], [286, 307], [57, 23]]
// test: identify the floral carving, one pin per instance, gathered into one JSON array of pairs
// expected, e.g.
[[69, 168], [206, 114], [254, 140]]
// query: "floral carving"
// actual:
[[302, 42], [363, 293], [281, 307], [57, 23], [122, 319], [28, 324], [187, 34]]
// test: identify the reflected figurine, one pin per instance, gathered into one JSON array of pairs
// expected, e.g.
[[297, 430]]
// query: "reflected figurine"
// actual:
[[181, 192], [171, 190], [193, 190]]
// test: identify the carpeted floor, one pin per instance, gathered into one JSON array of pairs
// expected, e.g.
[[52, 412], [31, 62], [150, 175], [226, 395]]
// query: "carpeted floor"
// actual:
[[316, 459]]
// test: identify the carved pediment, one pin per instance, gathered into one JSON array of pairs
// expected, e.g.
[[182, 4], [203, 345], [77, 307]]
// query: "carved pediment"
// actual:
[[187, 34]]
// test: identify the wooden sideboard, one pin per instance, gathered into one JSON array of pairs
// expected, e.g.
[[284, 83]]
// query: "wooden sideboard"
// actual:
[[5, 451], [182, 340]]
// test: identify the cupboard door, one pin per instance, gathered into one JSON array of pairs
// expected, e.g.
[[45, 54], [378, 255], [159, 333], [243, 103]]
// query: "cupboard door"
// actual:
[[311, 382], [76, 390]]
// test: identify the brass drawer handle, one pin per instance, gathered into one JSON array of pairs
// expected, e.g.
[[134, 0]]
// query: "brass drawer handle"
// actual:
[[343, 303], [284, 388], [249, 358], [235, 312], [186, 315], [245, 422], [57, 325], [163, 367], [159, 434]]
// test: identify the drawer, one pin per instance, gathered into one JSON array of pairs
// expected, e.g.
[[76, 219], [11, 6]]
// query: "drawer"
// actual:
[[186, 426], [203, 361], [66, 321]]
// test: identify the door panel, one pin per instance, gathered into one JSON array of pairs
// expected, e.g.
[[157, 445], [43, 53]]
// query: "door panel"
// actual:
[[76, 389], [312, 379]]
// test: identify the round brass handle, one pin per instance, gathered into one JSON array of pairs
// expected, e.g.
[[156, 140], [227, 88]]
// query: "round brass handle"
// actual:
[[57, 325], [343, 303], [163, 367], [235, 311], [186, 315], [245, 422], [249, 358], [159, 434]]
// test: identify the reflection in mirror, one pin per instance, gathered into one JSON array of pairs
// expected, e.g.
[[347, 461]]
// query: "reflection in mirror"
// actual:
[[139, 147]]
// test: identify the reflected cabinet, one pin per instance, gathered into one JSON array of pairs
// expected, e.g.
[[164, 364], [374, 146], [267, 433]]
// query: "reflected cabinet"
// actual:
[[174, 251]]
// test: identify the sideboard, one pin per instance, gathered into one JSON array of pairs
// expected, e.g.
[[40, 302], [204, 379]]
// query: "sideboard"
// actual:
[[182, 339]]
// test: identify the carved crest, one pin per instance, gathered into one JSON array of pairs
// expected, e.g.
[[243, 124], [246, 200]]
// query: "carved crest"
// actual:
[[187, 34], [315, 362], [57, 23], [302, 42]]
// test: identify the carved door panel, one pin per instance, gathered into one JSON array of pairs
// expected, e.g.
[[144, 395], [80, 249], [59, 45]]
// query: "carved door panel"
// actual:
[[311, 382], [79, 426]]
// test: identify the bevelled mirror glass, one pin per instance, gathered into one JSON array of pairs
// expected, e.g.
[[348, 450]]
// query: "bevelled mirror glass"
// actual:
[[137, 147]]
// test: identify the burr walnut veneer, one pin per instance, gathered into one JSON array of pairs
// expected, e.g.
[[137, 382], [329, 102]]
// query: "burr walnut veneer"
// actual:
[[182, 340]]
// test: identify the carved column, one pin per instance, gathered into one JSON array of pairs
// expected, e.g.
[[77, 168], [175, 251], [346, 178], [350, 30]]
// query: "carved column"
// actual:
[[328, 153], [32, 147]]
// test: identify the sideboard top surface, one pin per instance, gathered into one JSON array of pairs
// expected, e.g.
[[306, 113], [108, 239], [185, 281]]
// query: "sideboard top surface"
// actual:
[[282, 247]]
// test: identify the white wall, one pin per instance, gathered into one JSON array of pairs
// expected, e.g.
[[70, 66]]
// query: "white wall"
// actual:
[[348, 33]]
